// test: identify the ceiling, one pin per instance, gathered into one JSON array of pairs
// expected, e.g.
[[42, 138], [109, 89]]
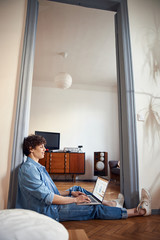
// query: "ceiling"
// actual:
[[86, 36]]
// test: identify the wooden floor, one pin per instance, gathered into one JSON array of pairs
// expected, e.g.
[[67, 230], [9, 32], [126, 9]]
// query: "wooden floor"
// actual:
[[137, 228]]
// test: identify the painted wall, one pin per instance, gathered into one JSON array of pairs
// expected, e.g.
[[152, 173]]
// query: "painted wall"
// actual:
[[144, 20], [83, 117], [12, 20]]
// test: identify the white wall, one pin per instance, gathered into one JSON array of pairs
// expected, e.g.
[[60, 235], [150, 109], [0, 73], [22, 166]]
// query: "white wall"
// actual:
[[83, 117], [12, 20], [144, 17]]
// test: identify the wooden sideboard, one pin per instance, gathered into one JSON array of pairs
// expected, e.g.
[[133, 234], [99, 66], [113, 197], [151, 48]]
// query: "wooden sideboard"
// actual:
[[64, 163]]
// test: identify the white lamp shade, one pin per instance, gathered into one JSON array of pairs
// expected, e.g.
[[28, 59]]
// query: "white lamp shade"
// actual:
[[63, 80]]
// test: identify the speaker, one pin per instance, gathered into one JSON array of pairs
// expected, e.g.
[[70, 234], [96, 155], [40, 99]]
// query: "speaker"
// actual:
[[100, 163]]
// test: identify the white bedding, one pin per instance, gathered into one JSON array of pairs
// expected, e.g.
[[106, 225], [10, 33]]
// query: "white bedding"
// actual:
[[20, 224]]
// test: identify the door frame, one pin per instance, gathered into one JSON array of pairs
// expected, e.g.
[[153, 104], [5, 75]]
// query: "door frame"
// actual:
[[129, 180]]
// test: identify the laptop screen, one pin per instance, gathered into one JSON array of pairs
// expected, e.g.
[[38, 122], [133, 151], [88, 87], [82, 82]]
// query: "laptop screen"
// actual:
[[100, 188]]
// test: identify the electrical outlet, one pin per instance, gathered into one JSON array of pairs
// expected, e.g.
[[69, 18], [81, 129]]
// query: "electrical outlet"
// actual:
[[140, 117]]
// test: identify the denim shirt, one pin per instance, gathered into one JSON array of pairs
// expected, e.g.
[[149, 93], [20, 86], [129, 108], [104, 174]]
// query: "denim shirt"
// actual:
[[36, 189]]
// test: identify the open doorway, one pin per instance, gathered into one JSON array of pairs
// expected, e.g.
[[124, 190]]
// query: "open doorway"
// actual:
[[128, 146], [80, 41]]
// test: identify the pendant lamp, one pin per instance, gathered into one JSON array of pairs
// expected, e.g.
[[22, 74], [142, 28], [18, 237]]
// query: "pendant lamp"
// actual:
[[63, 80]]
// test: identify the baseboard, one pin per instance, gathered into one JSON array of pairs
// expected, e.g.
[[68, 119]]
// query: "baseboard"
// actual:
[[155, 211]]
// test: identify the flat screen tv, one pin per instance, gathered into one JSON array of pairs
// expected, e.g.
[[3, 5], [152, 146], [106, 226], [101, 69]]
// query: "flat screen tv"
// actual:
[[52, 139]]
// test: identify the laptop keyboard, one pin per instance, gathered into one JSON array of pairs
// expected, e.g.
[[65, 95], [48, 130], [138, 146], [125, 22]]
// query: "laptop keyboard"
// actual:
[[92, 198]]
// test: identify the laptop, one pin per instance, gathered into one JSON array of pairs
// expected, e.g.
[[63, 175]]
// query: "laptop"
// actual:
[[98, 192]]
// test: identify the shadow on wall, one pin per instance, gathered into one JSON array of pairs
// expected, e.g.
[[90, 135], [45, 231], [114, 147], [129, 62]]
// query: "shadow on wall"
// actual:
[[152, 51], [152, 118], [152, 123], [151, 113]]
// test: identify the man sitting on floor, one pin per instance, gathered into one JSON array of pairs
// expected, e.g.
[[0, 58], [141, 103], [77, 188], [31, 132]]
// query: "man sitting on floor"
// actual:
[[37, 192]]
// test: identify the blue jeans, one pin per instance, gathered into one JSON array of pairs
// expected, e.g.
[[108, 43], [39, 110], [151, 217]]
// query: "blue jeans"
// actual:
[[70, 212]]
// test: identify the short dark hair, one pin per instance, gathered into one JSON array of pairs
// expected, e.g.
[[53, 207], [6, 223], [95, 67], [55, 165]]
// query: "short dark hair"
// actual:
[[31, 142]]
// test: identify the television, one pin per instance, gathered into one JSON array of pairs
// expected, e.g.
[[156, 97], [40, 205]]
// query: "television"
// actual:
[[52, 139]]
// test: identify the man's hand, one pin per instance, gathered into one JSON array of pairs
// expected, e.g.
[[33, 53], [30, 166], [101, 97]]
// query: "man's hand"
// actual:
[[67, 200], [77, 193], [82, 198]]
